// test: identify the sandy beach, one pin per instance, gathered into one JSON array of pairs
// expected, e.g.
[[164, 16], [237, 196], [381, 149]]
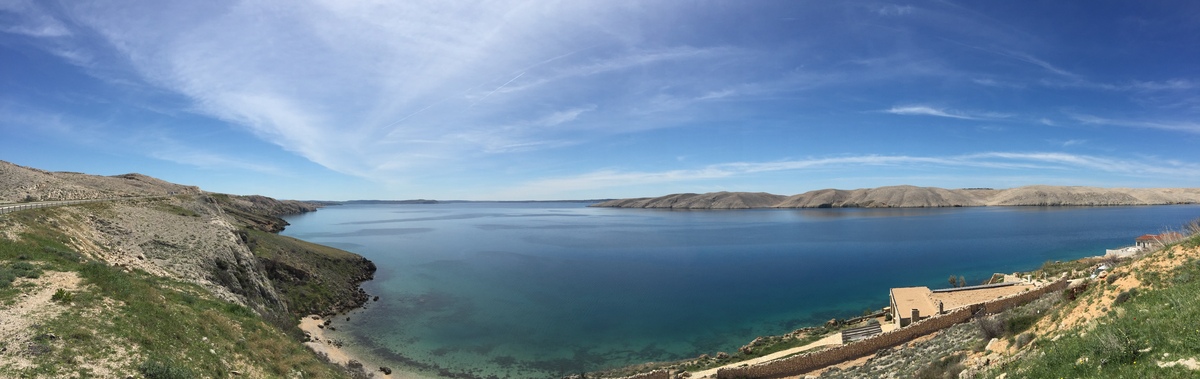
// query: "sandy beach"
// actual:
[[321, 344]]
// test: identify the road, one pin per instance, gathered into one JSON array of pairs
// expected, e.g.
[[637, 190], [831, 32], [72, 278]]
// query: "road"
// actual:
[[14, 207]]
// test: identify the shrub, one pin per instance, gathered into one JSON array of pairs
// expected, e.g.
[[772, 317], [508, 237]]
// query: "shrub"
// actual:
[[991, 327], [63, 296], [944, 367], [1115, 346], [1112, 277], [1024, 339], [1017, 324], [26, 270], [6, 277], [1125, 296], [164, 369]]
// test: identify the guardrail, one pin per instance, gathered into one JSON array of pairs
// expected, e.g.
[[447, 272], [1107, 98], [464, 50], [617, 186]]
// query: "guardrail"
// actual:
[[16, 207]]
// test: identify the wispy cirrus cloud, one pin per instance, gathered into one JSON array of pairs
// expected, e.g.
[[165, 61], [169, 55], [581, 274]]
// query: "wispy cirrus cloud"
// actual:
[[24, 17], [211, 161], [358, 87], [1017, 162], [1174, 126], [924, 110]]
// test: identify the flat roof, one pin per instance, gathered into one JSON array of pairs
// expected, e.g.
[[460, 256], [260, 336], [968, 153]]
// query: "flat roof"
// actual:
[[908, 298], [955, 299]]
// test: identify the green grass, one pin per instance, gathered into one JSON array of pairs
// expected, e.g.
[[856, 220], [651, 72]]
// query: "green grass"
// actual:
[[291, 264], [154, 326], [175, 209], [1159, 324], [1056, 268]]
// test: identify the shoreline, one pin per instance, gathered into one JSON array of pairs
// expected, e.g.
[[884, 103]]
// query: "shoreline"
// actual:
[[321, 344]]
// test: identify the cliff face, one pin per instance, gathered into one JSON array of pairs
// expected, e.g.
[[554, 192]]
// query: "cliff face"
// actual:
[[921, 197]]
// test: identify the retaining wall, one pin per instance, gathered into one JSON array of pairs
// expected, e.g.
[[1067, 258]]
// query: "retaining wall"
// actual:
[[999, 305], [656, 374], [802, 363]]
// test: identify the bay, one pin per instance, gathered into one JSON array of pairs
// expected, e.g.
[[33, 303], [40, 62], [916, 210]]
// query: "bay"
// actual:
[[525, 290]]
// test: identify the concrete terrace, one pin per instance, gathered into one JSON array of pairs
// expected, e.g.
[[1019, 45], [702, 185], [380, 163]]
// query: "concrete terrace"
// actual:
[[912, 304]]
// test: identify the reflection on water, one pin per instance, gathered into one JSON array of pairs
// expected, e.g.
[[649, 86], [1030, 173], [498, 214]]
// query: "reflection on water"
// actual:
[[548, 289], [840, 213]]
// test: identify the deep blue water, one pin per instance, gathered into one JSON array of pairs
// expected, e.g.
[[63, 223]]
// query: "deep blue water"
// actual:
[[545, 289]]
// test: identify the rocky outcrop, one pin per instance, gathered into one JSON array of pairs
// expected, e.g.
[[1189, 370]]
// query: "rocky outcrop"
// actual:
[[259, 212], [920, 197]]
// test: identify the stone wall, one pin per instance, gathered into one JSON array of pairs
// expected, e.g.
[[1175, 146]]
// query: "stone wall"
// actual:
[[802, 363], [999, 305], [656, 374]]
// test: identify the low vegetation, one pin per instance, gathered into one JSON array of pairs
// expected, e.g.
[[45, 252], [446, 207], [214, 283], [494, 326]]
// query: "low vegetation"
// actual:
[[119, 322], [294, 267], [1150, 331]]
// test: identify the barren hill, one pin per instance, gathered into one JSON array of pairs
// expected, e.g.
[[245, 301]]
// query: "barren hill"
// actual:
[[883, 197], [1052, 195], [713, 200], [20, 183], [920, 197]]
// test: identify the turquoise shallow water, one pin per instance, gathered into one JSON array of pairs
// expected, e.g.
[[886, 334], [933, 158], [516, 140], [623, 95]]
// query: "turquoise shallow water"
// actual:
[[526, 290]]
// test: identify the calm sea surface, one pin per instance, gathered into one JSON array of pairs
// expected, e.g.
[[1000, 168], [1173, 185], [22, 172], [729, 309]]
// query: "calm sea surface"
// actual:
[[546, 289]]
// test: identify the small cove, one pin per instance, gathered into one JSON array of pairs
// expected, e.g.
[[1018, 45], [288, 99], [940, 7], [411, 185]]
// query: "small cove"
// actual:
[[546, 289]]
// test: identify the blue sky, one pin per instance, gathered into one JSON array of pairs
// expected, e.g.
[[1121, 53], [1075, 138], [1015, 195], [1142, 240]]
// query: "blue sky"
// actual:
[[602, 99]]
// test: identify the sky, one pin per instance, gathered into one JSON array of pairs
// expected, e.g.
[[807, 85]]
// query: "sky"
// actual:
[[546, 100]]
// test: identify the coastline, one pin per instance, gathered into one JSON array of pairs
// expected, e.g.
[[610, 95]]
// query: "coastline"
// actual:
[[363, 349], [322, 343]]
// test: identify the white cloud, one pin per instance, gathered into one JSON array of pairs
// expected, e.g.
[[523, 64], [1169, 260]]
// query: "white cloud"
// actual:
[[1025, 57], [923, 110], [564, 116], [1014, 161], [32, 20], [357, 87], [1174, 126], [209, 160], [1173, 84], [996, 83], [894, 10]]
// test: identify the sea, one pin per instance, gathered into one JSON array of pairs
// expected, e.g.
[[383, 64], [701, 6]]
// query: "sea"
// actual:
[[547, 289]]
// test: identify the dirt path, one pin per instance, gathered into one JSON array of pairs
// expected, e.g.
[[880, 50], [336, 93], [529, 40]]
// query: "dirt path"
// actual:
[[31, 308]]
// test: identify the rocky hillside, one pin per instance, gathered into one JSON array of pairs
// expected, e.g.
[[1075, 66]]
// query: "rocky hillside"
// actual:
[[920, 197], [20, 183], [1051, 196], [224, 246], [883, 197], [716, 200]]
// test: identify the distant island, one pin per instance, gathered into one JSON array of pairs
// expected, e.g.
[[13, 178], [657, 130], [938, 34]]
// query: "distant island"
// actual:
[[919, 197], [426, 201], [416, 201]]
